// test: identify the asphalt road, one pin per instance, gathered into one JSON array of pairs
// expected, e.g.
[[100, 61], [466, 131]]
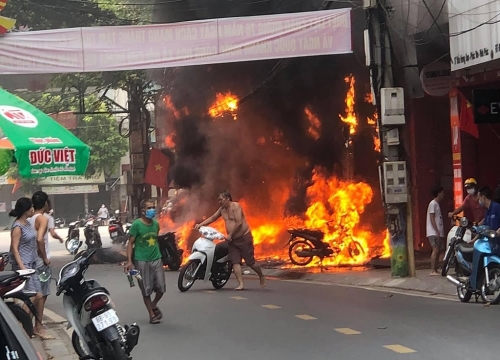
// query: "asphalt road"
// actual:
[[292, 320]]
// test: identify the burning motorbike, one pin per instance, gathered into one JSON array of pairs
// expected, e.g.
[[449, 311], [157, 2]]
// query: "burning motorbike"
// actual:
[[73, 242], [305, 244], [90, 311], [171, 255], [457, 235], [207, 261], [482, 279]]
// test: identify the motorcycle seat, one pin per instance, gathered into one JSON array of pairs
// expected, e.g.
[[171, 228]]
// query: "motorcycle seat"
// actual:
[[314, 233], [8, 275], [221, 250]]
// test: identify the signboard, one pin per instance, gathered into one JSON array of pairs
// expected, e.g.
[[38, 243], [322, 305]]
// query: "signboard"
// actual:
[[486, 106], [70, 179], [470, 43], [78, 189], [456, 147], [436, 79], [211, 41]]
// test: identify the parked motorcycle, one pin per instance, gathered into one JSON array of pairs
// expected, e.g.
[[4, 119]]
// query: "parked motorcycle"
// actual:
[[59, 222], [482, 280], [458, 234], [305, 244], [171, 255], [116, 232], [11, 287], [90, 311], [73, 242], [92, 236], [207, 261]]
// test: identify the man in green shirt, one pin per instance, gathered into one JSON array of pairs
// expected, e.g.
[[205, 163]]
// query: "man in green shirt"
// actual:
[[143, 253]]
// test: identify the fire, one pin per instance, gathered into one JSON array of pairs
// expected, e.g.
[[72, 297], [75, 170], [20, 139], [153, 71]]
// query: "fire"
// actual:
[[169, 141], [224, 103], [350, 117], [373, 122], [314, 124], [167, 101]]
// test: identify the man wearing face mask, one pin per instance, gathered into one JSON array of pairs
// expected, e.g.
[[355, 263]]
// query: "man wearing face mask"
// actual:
[[143, 254], [473, 211]]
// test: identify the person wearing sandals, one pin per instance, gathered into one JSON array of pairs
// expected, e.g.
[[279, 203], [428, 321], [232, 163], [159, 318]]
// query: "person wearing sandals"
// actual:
[[143, 254], [24, 249]]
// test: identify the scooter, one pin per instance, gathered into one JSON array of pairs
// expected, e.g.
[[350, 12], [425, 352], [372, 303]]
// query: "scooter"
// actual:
[[59, 222], [171, 255], [483, 279], [207, 261], [90, 311], [116, 232], [458, 234], [11, 287], [73, 242], [91, 233]]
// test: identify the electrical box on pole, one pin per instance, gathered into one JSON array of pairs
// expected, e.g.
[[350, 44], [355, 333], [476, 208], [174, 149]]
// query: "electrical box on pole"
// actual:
[[395, 182], [392, 105], [368, 4]]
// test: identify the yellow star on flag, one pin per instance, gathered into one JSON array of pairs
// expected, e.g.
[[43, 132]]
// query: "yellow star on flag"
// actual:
[[151, 241], [158, 167]]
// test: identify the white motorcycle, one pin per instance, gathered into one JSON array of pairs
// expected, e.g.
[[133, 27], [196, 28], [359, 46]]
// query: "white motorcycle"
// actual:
[[208, 261], [458, 234]]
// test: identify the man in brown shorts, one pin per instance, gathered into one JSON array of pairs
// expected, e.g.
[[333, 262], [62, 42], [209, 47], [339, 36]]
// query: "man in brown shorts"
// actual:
[[239, 237]]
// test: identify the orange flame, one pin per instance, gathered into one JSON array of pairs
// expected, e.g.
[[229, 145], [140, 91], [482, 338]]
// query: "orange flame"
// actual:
[[314, 124], [350, 117], [373, 121], [224, 103]]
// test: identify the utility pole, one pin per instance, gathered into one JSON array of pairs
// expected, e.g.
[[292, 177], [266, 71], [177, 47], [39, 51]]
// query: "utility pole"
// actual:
[[390, 104]]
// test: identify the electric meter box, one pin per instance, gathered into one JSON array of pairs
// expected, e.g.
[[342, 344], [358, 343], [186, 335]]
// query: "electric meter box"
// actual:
[[395, 182], [392, 106]]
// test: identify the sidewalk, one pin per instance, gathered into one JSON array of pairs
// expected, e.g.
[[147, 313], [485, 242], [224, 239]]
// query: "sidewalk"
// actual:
[[363, 277], [57, 349]]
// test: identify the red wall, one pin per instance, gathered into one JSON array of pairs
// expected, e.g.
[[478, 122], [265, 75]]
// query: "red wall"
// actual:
[[429, 139]]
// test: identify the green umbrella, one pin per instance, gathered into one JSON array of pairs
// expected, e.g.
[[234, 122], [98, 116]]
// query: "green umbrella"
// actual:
[[42, 147]]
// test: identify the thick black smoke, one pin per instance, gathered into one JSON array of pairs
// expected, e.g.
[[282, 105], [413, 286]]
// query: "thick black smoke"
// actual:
[[268, 148]]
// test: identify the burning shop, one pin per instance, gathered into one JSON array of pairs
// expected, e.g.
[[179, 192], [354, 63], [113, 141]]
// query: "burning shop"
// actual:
[[300, 152]]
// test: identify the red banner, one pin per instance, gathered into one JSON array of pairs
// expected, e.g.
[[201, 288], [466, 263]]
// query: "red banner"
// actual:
[[456, 149]]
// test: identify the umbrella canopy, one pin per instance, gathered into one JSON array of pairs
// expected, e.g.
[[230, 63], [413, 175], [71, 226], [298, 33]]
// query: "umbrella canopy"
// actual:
[[41, 145]]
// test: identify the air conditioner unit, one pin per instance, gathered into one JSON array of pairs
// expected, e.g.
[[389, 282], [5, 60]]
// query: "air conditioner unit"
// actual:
[[392, 106], [395, 182]]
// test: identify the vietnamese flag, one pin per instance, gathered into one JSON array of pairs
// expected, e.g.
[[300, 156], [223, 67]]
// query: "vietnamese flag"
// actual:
[[467, 117], [157, 170]]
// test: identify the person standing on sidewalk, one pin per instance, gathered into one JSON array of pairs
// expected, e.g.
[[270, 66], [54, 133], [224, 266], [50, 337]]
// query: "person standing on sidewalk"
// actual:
[[239, 237], [40, 222], [103, 214], [143, 253], [435, 228]]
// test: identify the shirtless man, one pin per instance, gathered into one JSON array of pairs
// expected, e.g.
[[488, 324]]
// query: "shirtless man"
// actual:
[[239, 237]]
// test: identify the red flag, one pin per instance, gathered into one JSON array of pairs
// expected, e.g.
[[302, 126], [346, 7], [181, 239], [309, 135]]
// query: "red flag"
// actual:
[[17, 186], [467, 117], [157, 171]]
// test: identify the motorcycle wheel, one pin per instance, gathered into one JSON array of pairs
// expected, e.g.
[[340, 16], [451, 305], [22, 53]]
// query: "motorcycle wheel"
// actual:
[[355, 249], [305, 246], [448, 261], [77, 345], [187, 273], [493, 274], [118, 352], [220, 282], [23, 317], [464, 294]]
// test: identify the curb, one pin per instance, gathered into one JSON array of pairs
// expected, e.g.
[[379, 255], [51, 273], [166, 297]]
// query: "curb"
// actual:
[[413, 284], [61, 347]]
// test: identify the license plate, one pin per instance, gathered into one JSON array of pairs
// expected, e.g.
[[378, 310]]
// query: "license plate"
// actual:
[[114, 234], [105, 320]]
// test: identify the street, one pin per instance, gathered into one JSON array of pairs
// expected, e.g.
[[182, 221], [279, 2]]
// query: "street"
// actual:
[[296, 320]]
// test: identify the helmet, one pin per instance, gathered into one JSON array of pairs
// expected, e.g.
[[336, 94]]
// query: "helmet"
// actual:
[[470, 182]]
